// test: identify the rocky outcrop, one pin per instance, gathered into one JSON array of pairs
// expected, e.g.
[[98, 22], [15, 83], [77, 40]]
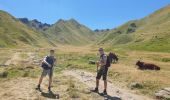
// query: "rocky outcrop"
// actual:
[[35, 24], [163, 94]]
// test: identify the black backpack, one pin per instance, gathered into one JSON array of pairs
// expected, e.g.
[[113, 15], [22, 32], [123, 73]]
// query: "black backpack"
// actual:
[[108, 62], [49, 60]]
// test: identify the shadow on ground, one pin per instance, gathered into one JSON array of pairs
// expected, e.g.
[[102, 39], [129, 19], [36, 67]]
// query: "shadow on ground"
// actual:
[[108, 97], [50, 95]]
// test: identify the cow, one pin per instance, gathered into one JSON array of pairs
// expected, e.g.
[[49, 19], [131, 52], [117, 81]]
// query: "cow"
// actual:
[[113, 57], [147, 66]]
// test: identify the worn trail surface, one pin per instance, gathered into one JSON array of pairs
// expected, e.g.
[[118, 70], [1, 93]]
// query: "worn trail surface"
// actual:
[[114, 92]]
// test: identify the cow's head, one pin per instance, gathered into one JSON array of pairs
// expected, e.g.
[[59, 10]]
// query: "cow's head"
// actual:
[[138, 62]]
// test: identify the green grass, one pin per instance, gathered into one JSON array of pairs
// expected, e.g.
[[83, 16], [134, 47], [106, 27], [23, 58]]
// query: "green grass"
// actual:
[[14, 34], [151, 34]]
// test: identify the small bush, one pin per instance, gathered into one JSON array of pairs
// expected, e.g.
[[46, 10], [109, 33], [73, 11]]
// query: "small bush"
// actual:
[[165, 59], [72, 90], [136, 85], [26, 74], [3, 74]]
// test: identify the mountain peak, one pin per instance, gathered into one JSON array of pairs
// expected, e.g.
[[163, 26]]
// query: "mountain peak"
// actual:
[[35, 24], [72, 20], [24, 20], [61, 21], [36, 21]]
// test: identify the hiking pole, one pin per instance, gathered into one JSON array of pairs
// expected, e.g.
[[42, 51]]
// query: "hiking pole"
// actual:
[[97, 65]]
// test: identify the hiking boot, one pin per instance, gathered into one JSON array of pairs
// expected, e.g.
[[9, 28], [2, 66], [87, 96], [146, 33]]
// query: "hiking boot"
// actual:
[[95, 90], [104, 92], [49, 89], [38, 88]]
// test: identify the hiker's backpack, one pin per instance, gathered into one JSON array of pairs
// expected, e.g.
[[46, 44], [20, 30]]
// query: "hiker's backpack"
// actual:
[[108, 62], [49, 60]]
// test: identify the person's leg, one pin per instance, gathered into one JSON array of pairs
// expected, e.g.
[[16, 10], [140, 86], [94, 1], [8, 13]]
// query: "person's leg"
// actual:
[[40, 80], [99, 73], [50, 79], [97, 83], [43, 74], [105, 85], [105, 80]]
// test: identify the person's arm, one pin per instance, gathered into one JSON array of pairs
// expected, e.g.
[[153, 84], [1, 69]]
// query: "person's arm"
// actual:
[[44, 61]]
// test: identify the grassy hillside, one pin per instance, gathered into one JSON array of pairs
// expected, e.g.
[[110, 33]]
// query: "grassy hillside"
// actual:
[[15, 34], [151, 33], [70, 32]]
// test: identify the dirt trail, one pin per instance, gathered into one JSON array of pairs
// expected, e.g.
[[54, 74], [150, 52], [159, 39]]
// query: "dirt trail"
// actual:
[[13, 60], [16, 59], [22, 88], [113, 91], [15, 89]]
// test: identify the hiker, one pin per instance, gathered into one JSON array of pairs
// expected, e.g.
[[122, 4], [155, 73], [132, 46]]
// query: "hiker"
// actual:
[[103, 63], [48, 66]]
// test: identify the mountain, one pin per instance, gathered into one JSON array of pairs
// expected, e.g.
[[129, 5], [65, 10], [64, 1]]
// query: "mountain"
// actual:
[[149, 33], [70, 32], [13, 33], [101, 31], [18, 32], [35, 24]]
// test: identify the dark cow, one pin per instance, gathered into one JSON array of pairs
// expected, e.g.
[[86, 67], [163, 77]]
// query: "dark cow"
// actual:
[[113, 57], [145, 66]]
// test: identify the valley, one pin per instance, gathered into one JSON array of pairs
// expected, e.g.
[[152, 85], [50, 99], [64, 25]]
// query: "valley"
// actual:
[[24, 43]]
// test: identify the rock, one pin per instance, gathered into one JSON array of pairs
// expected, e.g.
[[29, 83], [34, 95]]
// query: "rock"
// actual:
[[163, 94], [3, 65], [117, 91], [135, 85]]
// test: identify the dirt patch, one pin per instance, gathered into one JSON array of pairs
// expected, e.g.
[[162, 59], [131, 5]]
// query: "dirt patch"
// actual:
[[113, 91]]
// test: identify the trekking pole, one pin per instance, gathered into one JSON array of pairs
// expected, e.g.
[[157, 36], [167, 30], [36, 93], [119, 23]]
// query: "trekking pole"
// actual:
[[97, 65]]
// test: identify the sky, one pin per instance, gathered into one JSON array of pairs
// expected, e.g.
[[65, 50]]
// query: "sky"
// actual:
[[95, 14]]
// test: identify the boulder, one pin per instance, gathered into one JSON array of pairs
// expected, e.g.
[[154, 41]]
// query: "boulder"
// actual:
[[163, 94]]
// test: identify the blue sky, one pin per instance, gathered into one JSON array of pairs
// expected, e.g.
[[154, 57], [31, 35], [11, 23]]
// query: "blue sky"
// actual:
[[95, 14]]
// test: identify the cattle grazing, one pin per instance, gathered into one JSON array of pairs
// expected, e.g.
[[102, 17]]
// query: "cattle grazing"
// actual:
[[113, 57], [146, 66]]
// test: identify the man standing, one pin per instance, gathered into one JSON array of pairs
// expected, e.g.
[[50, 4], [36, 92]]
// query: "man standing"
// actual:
[[102, 71], [47, 65]]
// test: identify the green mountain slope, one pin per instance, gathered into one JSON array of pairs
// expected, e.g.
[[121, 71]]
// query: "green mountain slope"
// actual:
[[70, 32], [150, 33], [22, 32], [15, 34]]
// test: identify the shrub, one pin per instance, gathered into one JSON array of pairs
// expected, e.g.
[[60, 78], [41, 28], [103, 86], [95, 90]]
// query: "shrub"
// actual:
[[3, 74]]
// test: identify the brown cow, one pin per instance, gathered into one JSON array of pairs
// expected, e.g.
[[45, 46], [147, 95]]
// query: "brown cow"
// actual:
[[145, 66]]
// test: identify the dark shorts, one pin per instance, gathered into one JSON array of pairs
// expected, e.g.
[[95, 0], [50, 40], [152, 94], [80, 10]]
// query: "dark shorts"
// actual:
[[102, 72], [48, 72]]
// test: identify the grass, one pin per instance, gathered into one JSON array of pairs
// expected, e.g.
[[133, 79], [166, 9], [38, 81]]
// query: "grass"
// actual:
[[70, 88], [151, 34], [123, 73], [14, 34], [5, 55]]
